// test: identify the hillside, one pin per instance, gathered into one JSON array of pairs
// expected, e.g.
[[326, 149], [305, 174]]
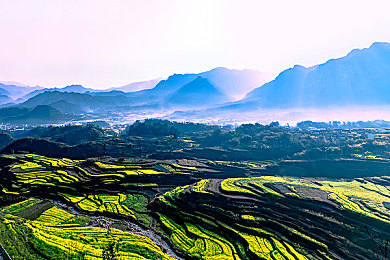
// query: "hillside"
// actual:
[[234, 83], [4, 99], [174, 93], [360, 78], [86, 102], [198, 93], [40, 114], [70, 135], [68, 89], [16, 91], [137, 86]]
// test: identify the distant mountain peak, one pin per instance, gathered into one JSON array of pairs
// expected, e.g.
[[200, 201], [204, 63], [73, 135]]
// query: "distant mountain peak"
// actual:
[[74, 86], [198, 83], [137, 86], [373, 47], [361, 77], [219, 69], [299, 67], [200, 79], [200, 93], [13, 83], [77, 88], [380, 44]]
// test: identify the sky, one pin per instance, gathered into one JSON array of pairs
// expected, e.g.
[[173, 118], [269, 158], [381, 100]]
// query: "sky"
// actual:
[[102, 44]]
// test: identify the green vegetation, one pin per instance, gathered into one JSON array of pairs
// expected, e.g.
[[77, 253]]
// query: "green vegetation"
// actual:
[[197, 235], [242, 164], [199, 242], [265, 236], [102, 203], [59, 234], [128, 208]]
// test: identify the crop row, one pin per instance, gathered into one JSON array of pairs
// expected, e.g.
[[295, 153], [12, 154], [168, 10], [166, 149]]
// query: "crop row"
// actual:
[[20, 206], [197, 241], [59, 234], [360, 196], [120, 204]]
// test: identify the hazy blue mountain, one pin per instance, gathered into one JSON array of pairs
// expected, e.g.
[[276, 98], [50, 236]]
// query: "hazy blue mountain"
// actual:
[[85, 102], [4, 99], [137, 86], [4, 92], [198, 93], [161, 92], [12, 112], [232, 83], [41, 114], [68, 89], [14, 92], [5, 139], [360, 78], [236, 83], [221, 84], [82, 90], [13, 83], [45, 111], [37, 115], [31, 94], [108, 93], [75, 88], [66, 107], [173, 83]]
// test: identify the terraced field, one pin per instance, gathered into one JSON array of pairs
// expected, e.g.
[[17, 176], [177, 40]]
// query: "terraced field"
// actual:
[[193, 209], [57, 232], [277, 218]]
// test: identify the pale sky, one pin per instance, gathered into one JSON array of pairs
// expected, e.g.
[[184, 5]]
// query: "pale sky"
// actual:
[[103, 44]]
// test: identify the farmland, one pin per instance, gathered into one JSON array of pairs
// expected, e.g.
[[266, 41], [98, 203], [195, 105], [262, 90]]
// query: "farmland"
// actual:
[[172, 209], [194, 197], [275, 217], [57, 232]]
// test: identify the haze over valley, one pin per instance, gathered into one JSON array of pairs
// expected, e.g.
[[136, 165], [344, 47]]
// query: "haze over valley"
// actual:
[[350, 88]]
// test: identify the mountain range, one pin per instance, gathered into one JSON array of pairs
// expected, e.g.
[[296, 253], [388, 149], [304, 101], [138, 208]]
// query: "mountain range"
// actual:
[[137, 86], [14, 92], [198, 93], [361, 78], [179, 91]]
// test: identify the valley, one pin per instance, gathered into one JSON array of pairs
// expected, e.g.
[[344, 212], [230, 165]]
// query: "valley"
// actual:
[[195, 130]]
